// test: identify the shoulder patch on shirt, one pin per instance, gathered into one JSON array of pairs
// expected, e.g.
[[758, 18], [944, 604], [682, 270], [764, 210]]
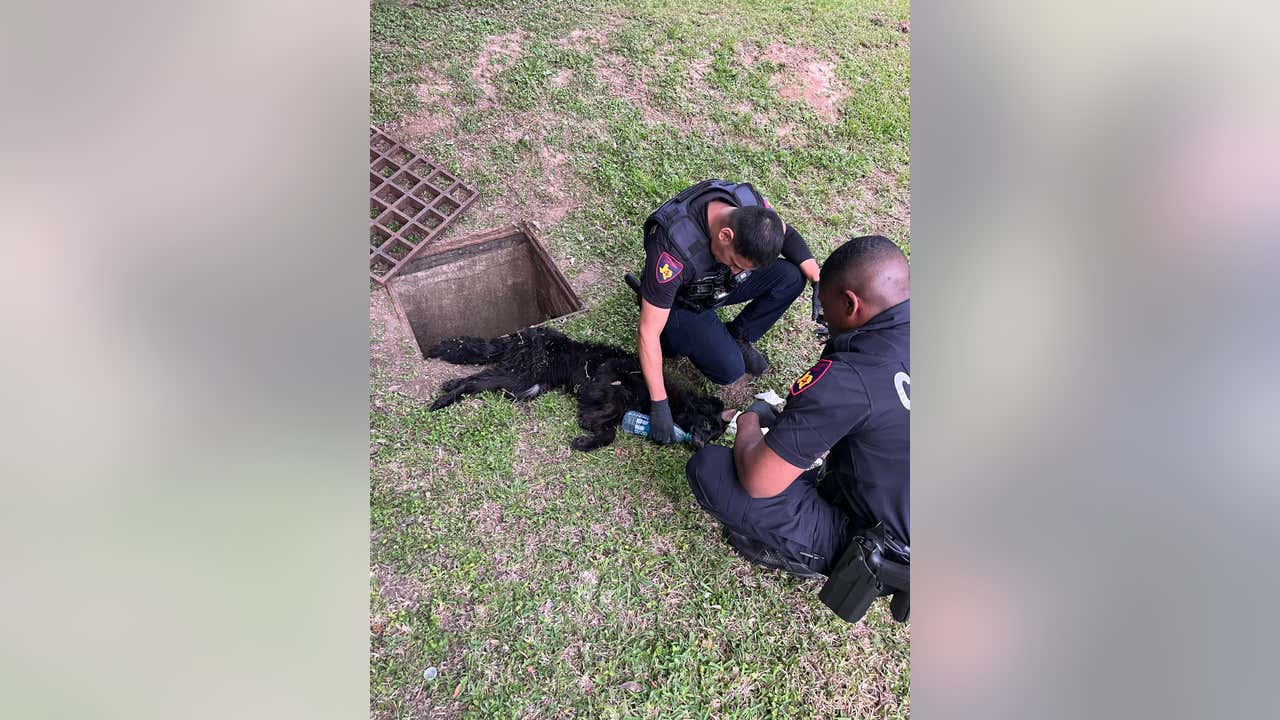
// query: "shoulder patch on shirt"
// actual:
[[807, 380], [667, 268]]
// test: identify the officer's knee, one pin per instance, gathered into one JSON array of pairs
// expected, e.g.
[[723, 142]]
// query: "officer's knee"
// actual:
[[694, 471], [728, 371], [791, 280], [722, 363], [702, 461], [704, 472]]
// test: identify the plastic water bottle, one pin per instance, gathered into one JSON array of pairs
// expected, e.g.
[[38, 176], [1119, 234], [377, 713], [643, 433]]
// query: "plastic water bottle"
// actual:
[[637, 423]]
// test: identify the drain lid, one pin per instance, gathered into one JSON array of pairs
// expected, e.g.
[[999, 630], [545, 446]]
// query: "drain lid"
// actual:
[[411, 201]]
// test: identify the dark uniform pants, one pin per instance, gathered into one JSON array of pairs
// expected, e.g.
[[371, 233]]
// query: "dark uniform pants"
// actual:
[[797, 522], [710, 344]]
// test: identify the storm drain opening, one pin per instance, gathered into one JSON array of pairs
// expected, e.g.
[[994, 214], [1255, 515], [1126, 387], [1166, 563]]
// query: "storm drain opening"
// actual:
[[486, 285]]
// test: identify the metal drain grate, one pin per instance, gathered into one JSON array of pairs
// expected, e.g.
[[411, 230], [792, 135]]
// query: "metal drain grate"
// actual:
[[411, 201]]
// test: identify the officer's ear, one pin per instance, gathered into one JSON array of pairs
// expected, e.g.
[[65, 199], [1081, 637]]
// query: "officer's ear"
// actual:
[[726, 236], [851, 303]]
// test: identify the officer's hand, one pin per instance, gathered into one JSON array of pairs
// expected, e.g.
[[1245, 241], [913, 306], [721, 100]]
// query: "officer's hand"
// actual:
[[662, 429], [816, 314], [768, 416], [816, 306]]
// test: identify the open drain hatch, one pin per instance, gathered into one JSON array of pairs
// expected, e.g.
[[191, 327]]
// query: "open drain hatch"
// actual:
[[485, 285]]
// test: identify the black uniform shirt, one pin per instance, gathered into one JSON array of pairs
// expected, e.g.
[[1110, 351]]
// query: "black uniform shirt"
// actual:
[[855, 401]]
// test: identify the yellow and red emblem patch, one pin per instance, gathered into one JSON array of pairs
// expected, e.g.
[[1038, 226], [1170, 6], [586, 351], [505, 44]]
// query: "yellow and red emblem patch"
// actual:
[[667, 268], [811, 376]]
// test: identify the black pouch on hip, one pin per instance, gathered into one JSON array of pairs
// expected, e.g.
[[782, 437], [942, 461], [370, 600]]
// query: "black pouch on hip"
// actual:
[[853, 583]]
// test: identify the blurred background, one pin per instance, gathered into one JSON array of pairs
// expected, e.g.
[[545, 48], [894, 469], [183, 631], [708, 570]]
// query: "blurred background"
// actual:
[[185, 519], [1095, 195], [185, 513]]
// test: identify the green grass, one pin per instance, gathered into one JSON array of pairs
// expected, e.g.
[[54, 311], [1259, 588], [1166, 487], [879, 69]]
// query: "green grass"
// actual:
[[545, 583]]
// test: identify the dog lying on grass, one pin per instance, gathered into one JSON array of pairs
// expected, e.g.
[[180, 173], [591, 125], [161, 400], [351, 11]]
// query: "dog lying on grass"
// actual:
[[605, 379]]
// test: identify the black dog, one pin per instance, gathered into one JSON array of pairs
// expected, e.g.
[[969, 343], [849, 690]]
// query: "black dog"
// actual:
[[606, 380]]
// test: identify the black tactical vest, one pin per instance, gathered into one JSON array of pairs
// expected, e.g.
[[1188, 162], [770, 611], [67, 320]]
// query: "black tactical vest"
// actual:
[[869, 470], [710, 279]]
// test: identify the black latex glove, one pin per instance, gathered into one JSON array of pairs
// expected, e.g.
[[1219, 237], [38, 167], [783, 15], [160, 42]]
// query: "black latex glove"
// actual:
[[768, 416], [662, 429], [816, 314]]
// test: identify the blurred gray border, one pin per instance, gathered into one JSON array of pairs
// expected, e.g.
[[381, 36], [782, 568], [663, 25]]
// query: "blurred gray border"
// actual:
[[1094, 207], [185, 520], [1094, 225]]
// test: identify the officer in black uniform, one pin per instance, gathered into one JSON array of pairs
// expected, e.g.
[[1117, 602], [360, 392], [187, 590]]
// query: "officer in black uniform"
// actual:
[[855, 402], [714, 244]]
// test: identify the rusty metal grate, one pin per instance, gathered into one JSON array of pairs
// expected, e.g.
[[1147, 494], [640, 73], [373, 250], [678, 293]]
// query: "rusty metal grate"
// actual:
[[411, 201]]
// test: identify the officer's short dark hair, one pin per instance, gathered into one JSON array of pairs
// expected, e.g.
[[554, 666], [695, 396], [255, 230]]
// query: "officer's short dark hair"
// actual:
[[757, 234], [856, 254]]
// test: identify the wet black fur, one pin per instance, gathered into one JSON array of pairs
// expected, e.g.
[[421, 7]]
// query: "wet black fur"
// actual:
[[605, 379]]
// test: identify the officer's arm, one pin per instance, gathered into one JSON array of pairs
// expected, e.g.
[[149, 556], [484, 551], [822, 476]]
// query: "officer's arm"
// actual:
[[795, 249], [760, 470], [649, 347], [810, 269]]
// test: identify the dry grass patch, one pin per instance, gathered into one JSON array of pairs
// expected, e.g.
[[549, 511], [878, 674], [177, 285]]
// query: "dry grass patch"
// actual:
[[626, 82], [582, 40], [879, 203]]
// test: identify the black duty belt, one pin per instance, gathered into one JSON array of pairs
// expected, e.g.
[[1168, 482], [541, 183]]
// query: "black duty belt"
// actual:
[[874, 564], [709, 290]]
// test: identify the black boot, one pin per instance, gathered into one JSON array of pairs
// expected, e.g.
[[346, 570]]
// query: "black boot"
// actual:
[[633, 282], [758, 553], [751, 358]]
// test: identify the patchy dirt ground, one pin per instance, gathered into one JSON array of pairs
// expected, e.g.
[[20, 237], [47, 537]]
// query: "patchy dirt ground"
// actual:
[[499, 53], [805, 76], [542, 188], [433, 90], [582, 40], [624, 82], [878, 200], [558, 187], [620, 75]]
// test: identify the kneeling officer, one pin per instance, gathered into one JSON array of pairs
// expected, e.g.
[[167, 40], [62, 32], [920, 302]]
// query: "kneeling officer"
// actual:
[[851, 519], [713, 244]]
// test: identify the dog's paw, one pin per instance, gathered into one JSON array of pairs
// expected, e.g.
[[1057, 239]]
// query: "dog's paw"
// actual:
[[585, 443]]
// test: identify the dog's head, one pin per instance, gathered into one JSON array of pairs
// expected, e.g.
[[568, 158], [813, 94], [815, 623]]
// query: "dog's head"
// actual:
[[702, 419]]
